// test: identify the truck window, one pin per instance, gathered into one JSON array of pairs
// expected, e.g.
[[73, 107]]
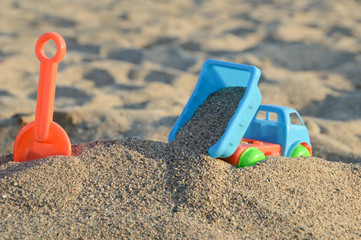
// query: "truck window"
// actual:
[[295, 119], [261, 115], [273, 116], [270, 116]]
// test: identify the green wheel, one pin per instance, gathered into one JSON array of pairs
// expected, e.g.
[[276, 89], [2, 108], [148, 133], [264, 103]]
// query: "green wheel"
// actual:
[[300, 151], [250, 157]]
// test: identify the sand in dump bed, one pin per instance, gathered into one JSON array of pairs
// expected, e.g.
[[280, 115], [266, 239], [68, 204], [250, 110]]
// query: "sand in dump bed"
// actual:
[[210, 120], [141, 188]]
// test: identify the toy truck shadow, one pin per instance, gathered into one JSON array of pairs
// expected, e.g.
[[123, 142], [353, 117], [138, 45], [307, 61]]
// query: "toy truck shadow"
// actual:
[[273, 131]]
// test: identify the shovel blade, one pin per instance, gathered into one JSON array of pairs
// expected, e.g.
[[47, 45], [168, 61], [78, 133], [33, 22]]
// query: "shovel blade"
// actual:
[[26, 148]]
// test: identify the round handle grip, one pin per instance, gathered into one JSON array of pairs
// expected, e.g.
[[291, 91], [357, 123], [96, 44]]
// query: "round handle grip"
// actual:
[[60, 44]]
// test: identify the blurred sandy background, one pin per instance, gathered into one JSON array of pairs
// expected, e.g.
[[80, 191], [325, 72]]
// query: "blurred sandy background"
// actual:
[[131, 66]]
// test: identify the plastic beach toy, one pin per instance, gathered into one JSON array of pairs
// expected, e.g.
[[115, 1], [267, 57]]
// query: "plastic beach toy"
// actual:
[[43, 137], [214, 76], [281, 132]]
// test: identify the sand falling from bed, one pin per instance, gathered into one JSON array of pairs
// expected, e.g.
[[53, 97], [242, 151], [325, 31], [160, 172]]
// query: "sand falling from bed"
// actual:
[[210, 120], [136, 188]]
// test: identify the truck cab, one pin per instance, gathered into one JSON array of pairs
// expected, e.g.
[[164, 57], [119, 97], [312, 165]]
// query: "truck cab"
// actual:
[[274, 131]]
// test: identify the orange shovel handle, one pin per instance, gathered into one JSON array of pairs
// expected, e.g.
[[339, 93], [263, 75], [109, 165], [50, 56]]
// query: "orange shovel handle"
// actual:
[[47, 84]]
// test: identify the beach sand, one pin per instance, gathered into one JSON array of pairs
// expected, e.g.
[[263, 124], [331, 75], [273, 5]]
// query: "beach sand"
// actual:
[[129, 70], [135, 188]]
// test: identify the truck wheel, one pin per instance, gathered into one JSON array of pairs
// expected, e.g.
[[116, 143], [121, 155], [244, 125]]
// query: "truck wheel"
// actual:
[[250, 157], [300, 151]]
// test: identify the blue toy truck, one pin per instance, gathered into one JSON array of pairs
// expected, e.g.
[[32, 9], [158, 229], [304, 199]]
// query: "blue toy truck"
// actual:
[[282, 136]]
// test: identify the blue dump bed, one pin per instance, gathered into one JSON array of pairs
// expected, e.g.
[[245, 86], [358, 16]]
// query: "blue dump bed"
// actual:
[[214, 76]]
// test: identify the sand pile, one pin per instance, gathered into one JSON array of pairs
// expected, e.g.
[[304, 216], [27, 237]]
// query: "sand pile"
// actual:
[[140, 188]]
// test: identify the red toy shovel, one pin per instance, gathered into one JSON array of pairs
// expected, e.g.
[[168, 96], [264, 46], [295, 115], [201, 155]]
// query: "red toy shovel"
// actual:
[[43, 137]]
